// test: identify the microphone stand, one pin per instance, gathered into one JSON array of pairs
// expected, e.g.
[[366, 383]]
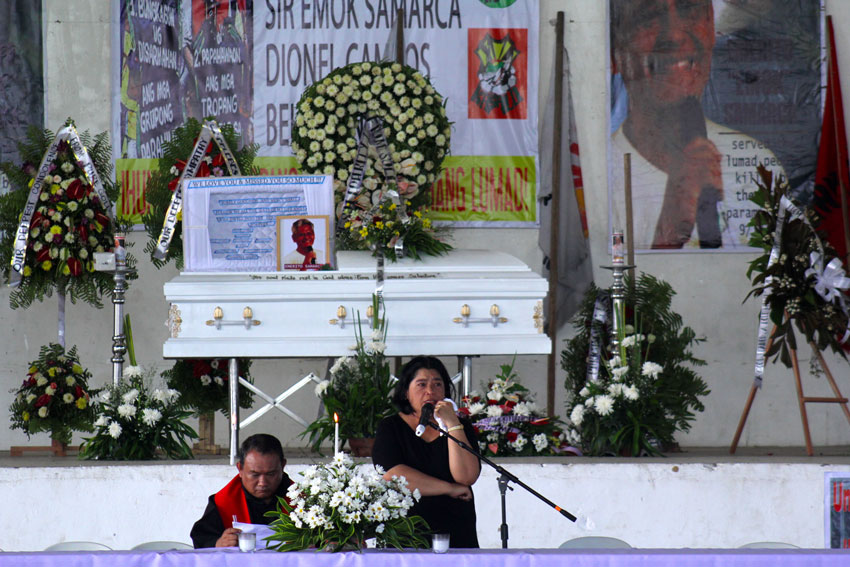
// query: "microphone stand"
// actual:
[[504, 478]]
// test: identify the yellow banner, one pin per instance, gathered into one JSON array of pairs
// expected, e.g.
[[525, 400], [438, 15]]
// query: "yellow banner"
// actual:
[[132, 176], [470, 188], [277, 165], [486, 188]]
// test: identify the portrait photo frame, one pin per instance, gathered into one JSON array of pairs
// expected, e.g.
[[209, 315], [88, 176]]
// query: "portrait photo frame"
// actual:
[[289, 258]]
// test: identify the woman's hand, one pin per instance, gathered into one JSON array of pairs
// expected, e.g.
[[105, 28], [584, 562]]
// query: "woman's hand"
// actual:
[[460, 491], [446, 412]]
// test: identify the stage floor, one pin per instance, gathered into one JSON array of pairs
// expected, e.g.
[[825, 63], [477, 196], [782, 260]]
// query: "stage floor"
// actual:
[[833, 455]]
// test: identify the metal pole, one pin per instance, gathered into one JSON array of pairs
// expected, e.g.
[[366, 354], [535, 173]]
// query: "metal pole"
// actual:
[[119, 345], [467, 376], [399, 37], [233, 371], [618, 297], [555, 210], [630, 231]]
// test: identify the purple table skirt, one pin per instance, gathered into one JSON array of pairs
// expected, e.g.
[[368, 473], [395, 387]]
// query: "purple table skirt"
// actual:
[[454, 558]]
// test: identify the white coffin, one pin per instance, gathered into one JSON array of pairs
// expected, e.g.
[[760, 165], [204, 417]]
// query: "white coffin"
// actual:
[[296, 314]]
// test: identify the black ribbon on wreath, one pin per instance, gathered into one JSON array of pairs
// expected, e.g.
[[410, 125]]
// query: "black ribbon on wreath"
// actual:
[[600, 318], [371, 132]]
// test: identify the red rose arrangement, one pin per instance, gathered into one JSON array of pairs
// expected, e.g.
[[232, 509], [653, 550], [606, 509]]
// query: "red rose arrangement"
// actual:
[[508, 422], [69, 223], [54, 397], [204, 384]]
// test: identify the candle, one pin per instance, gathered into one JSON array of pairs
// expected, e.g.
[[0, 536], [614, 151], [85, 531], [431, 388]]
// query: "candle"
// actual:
[[617, 256], [336, 434]]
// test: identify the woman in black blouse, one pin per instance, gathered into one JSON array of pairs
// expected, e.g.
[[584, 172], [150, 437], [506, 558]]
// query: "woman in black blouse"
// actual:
[[442, 471]]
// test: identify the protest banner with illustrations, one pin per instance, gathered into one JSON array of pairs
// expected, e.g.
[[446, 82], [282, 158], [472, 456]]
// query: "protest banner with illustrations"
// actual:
[[246, 63]]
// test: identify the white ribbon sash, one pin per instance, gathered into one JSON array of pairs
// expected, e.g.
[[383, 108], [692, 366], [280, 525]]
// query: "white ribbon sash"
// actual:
[[69, 134], [209, 131]]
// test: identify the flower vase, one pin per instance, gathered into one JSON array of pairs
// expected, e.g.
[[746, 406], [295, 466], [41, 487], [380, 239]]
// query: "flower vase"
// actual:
[[59, 448], [206, 435], [361, 446], [60, 437]]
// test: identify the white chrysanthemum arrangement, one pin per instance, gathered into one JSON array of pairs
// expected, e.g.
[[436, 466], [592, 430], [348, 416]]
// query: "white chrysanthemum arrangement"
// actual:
[[137, 422], [602, 407], [339, 506]]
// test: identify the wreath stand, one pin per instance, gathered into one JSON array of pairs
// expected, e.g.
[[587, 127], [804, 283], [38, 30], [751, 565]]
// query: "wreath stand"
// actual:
[[802, 399]]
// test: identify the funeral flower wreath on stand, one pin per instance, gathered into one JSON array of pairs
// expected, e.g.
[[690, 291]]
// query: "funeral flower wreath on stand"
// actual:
[[418, 134], [68, 225], [806, 282], [162, 184]]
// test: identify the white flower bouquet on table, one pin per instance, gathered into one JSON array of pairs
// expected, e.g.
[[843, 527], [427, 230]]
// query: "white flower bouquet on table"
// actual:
[[339, 506], [134, 421]]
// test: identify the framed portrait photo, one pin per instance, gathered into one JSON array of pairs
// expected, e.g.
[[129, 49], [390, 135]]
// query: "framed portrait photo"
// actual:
[[303, 242]]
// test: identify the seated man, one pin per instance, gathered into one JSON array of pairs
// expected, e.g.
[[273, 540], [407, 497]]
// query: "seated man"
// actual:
[[250, 494]]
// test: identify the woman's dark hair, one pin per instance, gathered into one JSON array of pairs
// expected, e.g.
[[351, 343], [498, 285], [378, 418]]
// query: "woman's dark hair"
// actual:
[[409, 371]]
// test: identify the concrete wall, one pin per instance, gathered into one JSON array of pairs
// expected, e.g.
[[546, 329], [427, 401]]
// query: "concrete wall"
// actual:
[[710, 287], [649, 504]]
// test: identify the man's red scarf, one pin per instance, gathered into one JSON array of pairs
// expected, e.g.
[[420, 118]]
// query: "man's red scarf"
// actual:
[[231, 502]]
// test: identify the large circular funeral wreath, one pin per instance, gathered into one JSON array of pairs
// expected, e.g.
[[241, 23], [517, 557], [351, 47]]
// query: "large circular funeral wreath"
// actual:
[[324, 141]]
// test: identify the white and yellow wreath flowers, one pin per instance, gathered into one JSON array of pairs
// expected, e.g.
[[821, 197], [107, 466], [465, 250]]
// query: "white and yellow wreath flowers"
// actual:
[[418, 133]]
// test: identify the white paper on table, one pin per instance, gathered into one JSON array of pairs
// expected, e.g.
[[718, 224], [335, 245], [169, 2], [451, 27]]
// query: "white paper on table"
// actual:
[[262, 532]]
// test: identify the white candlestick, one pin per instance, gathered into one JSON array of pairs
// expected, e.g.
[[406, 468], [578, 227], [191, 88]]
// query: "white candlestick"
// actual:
[[336, 434]]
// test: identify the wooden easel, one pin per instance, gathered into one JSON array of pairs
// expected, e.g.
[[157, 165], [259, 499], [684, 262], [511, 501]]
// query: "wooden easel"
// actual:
[[802, 399]]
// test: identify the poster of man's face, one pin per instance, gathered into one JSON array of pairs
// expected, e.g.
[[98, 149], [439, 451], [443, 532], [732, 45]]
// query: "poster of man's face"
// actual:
[[303, 242], [703, 92]]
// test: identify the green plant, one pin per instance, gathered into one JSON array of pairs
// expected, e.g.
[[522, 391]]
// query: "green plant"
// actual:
[[136, 421], [204, 384], [508, 422], [645, 392], [339, 506], [359, 388], [794, 284], [54, 396]]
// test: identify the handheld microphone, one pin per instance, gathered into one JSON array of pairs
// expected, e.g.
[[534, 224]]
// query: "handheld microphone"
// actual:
[[692, 124], [425, 416]]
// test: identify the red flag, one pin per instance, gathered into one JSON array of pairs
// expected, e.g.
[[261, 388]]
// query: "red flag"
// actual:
[[831, 178]]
